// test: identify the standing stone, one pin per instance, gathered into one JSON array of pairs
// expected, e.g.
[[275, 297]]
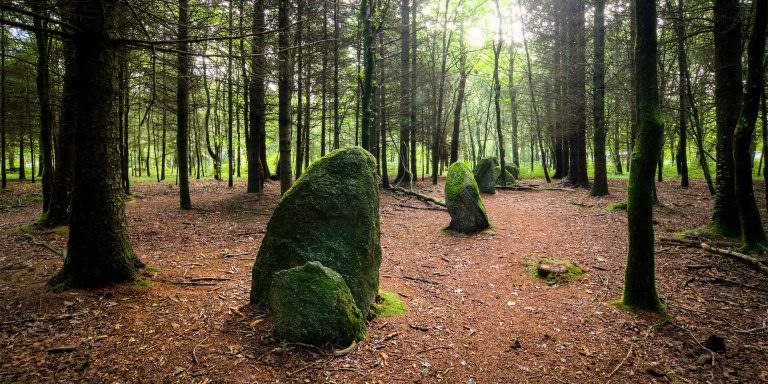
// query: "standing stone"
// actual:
[[485, 174], [312, 304], [510, 178], [462, 198], [330, 215]]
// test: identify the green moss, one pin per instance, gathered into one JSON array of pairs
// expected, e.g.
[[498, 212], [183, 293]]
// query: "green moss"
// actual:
[[621, 205], [462, 198], [330, 215], [388, 304], [510, 178], [312, 304], [141, 283], [485, 174], [151, 269], [572, 270]]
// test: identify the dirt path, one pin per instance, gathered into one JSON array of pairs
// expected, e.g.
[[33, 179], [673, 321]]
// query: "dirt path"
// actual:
[[475, 312]]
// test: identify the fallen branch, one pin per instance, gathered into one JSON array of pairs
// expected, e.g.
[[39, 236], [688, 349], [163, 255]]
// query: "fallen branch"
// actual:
[[419, 196], [534, 188], [753, 262], [207, 278], [631, 346], [422, 208], [43, 244]]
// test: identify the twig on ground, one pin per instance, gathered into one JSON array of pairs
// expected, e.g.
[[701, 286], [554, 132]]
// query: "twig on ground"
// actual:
[[43, 244], [421, 279], [422, 208], [194, 350], [624, 360]]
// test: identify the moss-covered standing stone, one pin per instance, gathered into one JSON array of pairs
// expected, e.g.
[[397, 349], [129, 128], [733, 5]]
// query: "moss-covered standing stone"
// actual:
[[485, 174], [330, 215], [462, 198], [312, 304], [510, 178]]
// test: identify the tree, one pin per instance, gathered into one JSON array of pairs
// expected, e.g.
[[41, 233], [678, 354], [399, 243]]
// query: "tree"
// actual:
[[459, 98], [99, 251], [3, 175], [728, 95], [182, 106], [752, 232], [403, 173], [257, 108], [284, 95], [497, 95], [639, 277], [366, 13], [600, 185], [44, 100], [682, 64]]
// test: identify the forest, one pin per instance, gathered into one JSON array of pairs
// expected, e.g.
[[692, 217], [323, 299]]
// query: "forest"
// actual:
[[377, 191]]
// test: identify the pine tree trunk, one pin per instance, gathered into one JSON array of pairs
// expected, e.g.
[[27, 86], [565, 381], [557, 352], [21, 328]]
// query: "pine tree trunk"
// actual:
[[284, 95], [459, 99], [682, 63], [752, 232], [600, 186], [639, 278], [44, 101], [728, 94], [3, 170], [257, 109], [182, 106], [366, 13], [403, 172], [99, 251], [58, 213]]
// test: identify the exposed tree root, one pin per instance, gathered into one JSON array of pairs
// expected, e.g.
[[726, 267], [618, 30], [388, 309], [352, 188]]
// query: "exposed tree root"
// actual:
[[43, 244], [419, 196]]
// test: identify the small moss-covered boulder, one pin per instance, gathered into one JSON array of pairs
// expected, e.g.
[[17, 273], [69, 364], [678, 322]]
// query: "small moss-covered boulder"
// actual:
[[330, 215], [312, 304], [510, 179], [462, 198], [513, 169], [485, 174]]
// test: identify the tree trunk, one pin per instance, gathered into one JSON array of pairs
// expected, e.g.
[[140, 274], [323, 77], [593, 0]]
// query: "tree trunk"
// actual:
[[284, 95], [230, 120], [99, 251], [182, 106], [257, 109], [728, 94], [58, 213], [413, 87], [44, 101], [366, 13], [513, 106], [639, 278], [3, 174], [600, 185], [682, 63], [497, 95], [403, 173], [459, 99], [299, 88], [535, 111], [752, 232], [336, 37]]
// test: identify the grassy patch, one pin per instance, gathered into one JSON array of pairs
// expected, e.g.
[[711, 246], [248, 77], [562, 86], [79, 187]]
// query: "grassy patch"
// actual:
[[620, 206], [388, 304]]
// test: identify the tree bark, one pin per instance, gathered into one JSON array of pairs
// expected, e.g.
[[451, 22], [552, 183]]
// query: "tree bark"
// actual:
[[728, 94], [639, 278], [44, 101], [257, 108], [284, 95], [752, 232], [682, 63], [600, 185], [182, 106], [99, 251], [403, 172], [459, 98]]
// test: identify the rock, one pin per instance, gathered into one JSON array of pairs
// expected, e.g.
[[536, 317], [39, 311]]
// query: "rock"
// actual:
[[330, 215], [462, 198], [510, 178], [485, 174], [312, 304], [513, 169]]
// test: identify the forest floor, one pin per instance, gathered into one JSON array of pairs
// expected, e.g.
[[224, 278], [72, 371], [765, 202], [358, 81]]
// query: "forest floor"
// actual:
[[476, 313]]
